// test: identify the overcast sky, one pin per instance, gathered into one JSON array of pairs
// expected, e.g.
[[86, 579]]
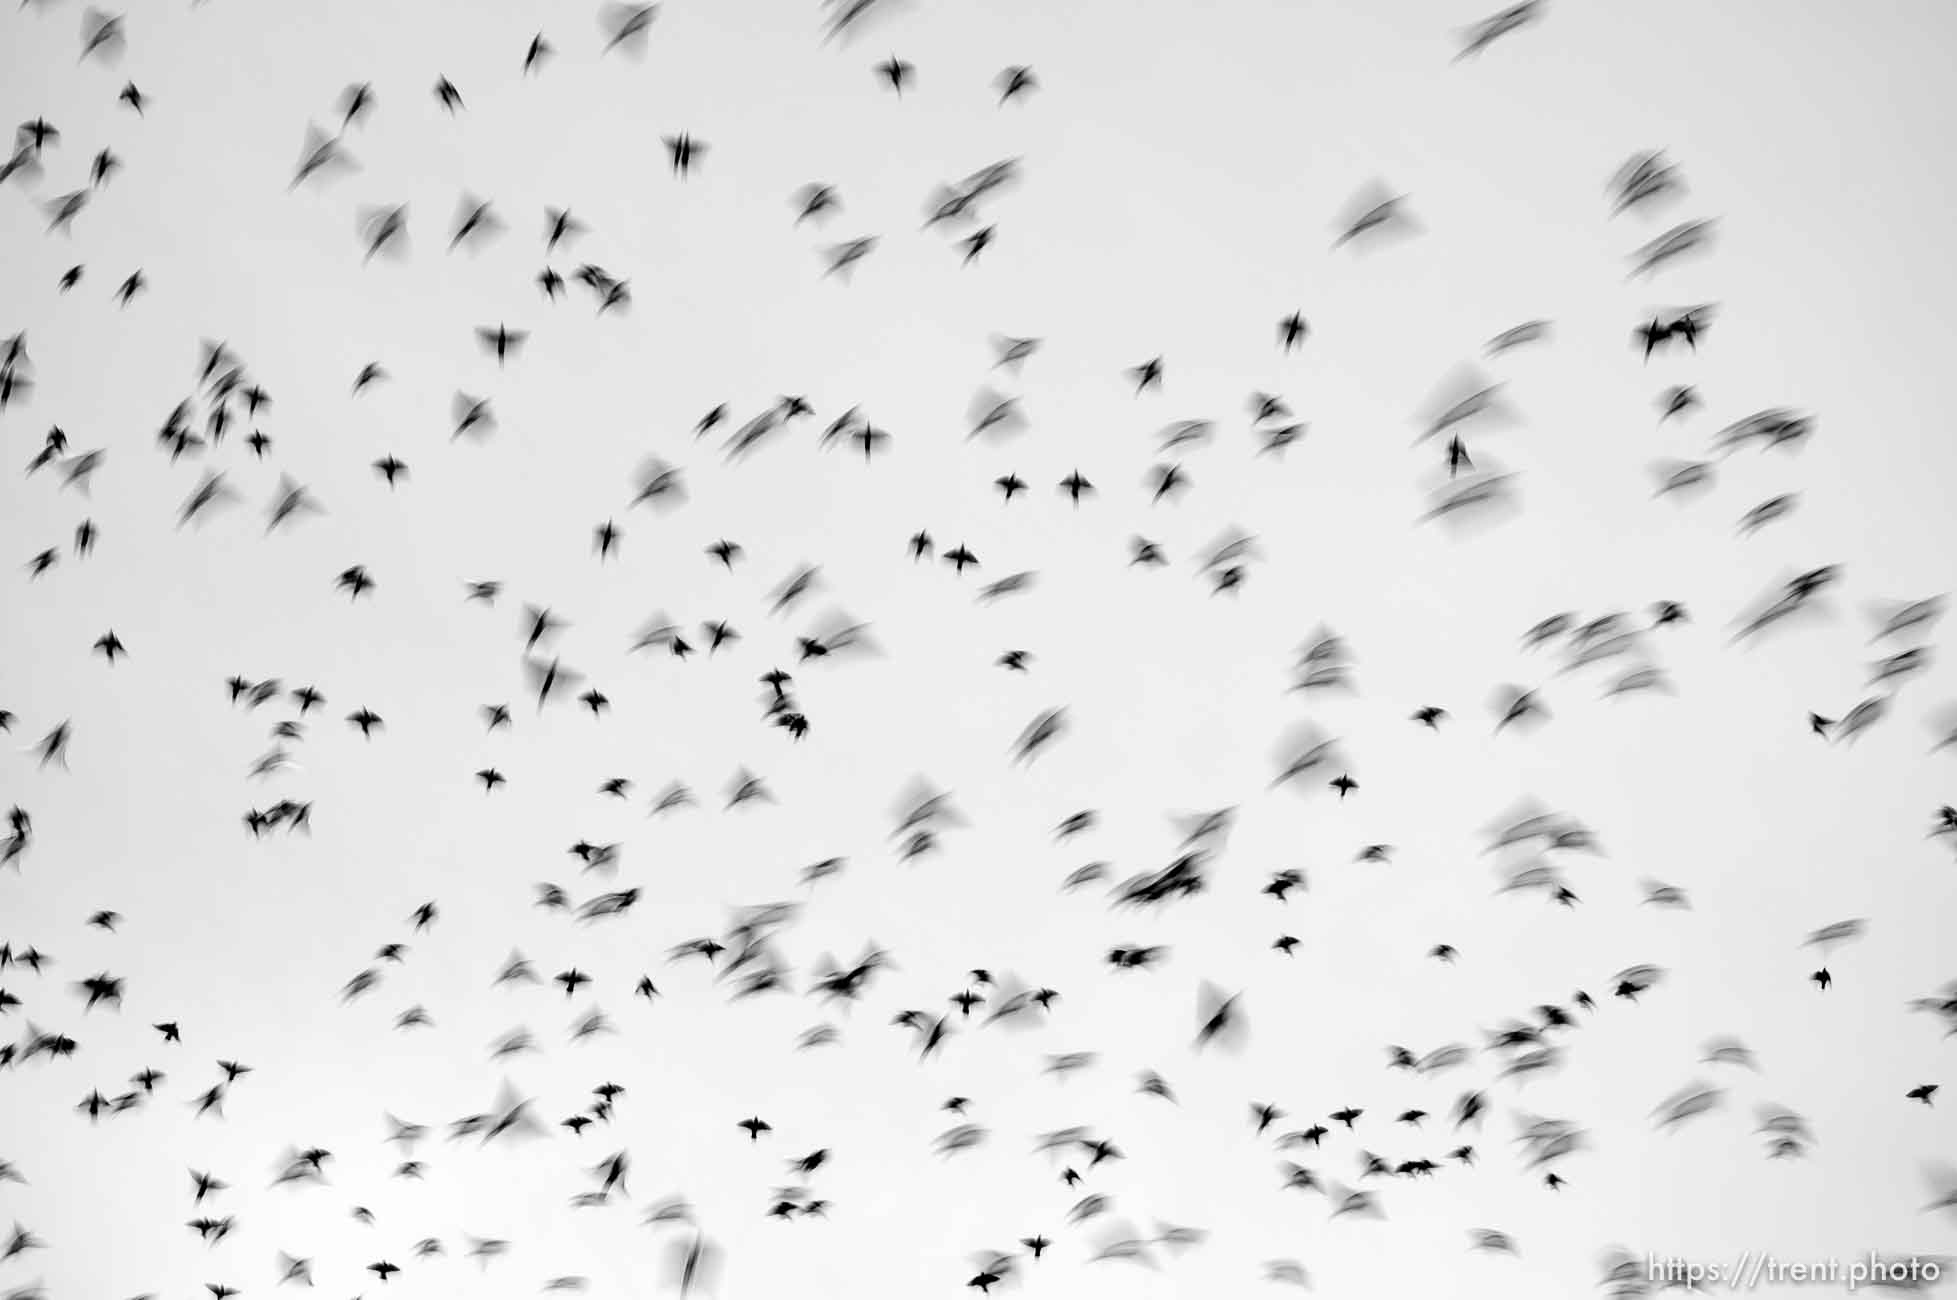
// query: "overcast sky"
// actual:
[[1183, 172]]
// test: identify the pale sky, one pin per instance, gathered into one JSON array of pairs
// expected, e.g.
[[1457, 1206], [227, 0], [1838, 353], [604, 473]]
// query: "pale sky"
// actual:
[[1182, 174]]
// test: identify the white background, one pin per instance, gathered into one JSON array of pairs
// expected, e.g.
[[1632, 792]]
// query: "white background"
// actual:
[[1184, 168]]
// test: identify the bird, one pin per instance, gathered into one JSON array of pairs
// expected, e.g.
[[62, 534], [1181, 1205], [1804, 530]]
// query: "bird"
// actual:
[[1373, 209], [683, 151], [628, 25], [815, 200], [537, 53], [1014, 82], [972, 724], [1491, 29], [501, 341], [897, 73]]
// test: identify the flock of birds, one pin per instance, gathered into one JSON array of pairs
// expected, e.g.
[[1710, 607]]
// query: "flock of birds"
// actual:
[[1331, 1155]]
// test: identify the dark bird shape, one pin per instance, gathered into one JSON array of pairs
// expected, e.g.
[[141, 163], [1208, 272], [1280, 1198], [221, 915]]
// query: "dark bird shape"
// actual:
[[1219, 1017], [1642, 179], [1374, 209], [354, 581], [1014, 82], [471, 414], [1166, 481], [475, 222], [1508, 340], [560, 227], [319, 154], [1481, 35], [815, 200], [1679, 241], [684, 151], [626, 26], [383, 230], [102, 35], [501, 341], [355, 103], [977, 242], [896, 72], [841, 257], [534, 54]]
